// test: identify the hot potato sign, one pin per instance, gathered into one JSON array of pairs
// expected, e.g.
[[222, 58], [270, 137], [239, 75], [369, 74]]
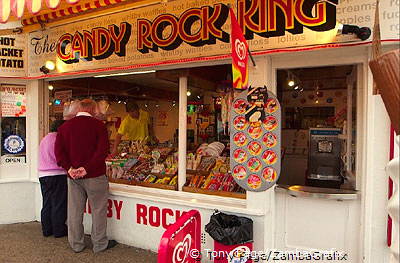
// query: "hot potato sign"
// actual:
[[256, 139]]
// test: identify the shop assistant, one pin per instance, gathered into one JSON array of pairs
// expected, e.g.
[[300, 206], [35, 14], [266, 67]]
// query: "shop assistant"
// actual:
[[135, 126]]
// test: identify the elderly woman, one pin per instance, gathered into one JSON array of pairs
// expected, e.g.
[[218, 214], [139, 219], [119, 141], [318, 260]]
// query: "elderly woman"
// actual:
[[53, 183]]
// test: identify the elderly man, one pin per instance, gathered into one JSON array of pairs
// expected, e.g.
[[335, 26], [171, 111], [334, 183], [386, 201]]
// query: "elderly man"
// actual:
[[81, 149]]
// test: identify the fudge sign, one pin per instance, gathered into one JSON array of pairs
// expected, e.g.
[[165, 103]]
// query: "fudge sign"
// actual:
[[197, 27]]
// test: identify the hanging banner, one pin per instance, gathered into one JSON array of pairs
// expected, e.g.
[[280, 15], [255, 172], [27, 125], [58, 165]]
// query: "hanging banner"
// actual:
[[240, 55], [13, 101], [255, 139], [186, 30], [13, 56]]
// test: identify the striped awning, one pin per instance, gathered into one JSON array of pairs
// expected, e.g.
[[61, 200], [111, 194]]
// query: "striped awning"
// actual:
[[36, 11]]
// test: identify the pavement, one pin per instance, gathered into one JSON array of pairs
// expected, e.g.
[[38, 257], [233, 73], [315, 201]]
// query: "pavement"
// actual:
[[24, 243]]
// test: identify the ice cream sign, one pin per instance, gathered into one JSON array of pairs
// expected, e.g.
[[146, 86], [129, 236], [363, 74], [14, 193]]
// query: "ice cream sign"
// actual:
[[255, 139]]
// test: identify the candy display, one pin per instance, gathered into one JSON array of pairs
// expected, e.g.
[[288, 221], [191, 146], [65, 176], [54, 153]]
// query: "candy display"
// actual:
[[255, 139], [213, 175], [137, 164]]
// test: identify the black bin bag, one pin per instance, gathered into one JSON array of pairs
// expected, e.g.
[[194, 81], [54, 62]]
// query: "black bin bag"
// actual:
[[230, 229]]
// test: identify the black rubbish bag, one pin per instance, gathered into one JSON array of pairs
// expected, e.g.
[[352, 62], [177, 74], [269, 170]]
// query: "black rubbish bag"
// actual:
[[230, 229]]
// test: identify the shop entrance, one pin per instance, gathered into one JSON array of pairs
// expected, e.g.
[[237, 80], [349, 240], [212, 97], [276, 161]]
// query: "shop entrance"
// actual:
[[318, 126]]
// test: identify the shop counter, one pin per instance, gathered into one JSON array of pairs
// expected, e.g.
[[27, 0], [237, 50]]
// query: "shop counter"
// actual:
[[318, 192], [194, 200], [317, 219]]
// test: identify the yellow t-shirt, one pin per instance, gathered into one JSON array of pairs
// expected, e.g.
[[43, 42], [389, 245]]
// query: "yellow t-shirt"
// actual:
[[135, 129]]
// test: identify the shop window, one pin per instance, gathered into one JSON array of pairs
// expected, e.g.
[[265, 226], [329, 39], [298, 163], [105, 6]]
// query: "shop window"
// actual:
[[319, 132], [13, 124], [153, 160]]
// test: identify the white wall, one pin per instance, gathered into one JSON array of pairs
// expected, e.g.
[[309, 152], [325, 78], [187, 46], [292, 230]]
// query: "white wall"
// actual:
[[372, 148], [17, 202], [126, 229], [315, 224], [18, 182]]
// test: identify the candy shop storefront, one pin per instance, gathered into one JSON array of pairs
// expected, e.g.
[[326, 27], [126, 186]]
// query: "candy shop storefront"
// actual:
[[327, 187]]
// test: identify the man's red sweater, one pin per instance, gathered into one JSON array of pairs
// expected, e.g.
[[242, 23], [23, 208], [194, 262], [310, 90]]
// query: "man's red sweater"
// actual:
[[83, 142]]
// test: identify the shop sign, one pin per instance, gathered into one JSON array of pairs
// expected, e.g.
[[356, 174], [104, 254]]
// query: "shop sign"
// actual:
[[14, 144], [389, 17], [12, 56], [114, 208], [155, 217], [188, 29], [181, 242], [152, 216], [6, 159], [255, 139], [13, 101], [61, 97]]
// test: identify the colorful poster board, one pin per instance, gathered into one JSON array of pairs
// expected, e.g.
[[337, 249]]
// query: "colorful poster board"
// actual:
[[255, 139], [13, 101]]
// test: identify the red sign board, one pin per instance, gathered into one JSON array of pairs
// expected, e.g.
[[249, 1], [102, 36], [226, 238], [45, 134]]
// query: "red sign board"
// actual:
[[180, 243]]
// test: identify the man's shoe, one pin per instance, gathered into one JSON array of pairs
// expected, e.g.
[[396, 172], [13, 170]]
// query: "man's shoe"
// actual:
[[80, 250], [111, 244]]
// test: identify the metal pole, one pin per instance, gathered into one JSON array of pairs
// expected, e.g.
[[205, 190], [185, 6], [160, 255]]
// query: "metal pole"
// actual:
[[182, 134], [350, 86]]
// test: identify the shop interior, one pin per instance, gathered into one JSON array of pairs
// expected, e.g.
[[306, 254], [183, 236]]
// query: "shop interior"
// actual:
[[153, 161], [318, 126]]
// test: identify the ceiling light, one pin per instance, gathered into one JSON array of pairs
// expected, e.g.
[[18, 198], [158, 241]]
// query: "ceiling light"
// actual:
[[50, 87], [291, 83], [125, 73], [188, 93], [50, 65], [296, 87]]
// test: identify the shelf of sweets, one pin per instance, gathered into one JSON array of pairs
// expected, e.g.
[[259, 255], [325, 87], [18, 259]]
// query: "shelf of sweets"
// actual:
[[212, 192], [214, 183], [169, 182], [139, 170]]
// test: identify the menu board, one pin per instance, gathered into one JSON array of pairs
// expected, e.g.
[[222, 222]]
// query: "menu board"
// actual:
[[256, 139], [13, 101]]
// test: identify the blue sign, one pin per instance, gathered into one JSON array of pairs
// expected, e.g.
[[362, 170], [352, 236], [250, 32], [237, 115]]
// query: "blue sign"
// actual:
[[14, 144]]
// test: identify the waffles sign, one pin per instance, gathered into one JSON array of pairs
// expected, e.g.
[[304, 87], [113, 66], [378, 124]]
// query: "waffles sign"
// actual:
[[198, 27]]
